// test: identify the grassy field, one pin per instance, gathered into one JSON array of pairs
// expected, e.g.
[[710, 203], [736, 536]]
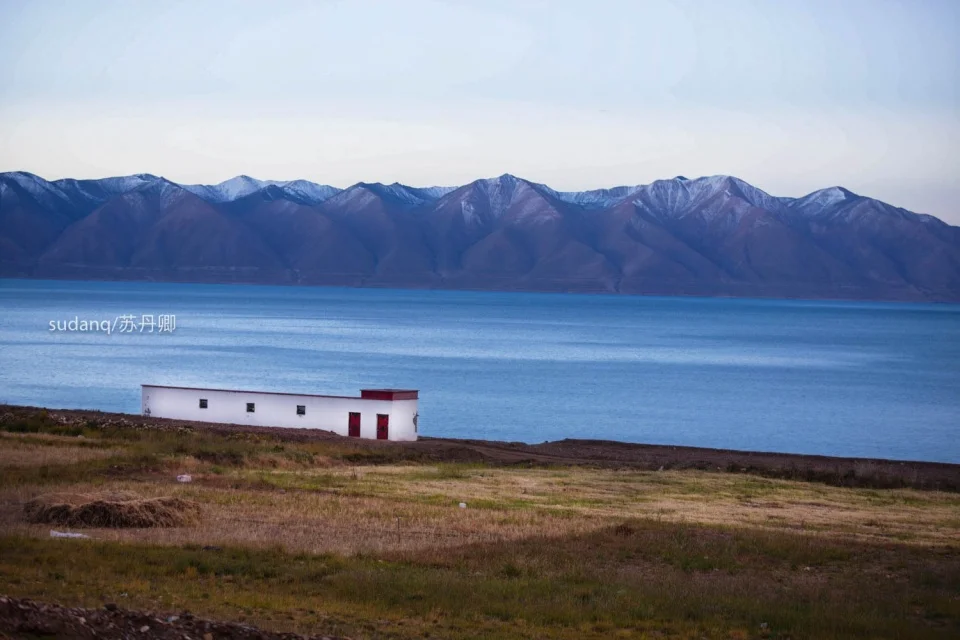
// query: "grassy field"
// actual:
[[323, 537]]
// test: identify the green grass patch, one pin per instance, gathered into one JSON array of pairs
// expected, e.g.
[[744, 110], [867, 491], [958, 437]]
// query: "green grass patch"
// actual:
[[639, 576]]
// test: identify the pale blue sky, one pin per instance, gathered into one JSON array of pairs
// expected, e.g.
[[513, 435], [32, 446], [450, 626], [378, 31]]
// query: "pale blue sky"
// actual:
[[788, 95]]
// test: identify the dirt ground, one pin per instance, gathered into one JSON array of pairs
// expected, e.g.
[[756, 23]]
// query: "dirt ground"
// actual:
[[27, 618], [853, 472]]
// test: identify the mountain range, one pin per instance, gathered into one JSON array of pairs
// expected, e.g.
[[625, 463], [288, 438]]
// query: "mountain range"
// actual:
[[714, 235]]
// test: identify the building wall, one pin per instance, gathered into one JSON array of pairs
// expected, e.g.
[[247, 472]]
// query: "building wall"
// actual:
[[280, 410], [404, 415]]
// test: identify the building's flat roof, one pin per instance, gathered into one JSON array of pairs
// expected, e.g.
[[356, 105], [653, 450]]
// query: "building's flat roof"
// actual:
[[389, 394], [378, 392]]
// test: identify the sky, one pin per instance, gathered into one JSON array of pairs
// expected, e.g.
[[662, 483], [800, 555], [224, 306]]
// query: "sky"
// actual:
[[790, 96]]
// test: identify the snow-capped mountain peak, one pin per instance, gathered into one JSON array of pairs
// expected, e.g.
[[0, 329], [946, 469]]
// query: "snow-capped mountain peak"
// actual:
[[48, 193], [310, 192], [123, 184], [597, 198], [241, 186], [680, 195], [499, 192]]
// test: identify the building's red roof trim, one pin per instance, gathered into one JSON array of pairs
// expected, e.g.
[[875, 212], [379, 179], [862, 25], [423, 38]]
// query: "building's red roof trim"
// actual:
[[365, 394], [389, 394]]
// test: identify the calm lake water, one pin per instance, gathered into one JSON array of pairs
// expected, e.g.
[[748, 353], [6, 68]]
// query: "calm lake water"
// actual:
[[836, 378]]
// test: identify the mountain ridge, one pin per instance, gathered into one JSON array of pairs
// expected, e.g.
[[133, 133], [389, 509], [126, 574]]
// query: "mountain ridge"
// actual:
[[713, 235]]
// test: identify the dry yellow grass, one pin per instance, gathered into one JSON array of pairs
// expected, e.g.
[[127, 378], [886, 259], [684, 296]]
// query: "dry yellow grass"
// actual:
[[37, 450], [383, 508], [921, 517], [315, 522]]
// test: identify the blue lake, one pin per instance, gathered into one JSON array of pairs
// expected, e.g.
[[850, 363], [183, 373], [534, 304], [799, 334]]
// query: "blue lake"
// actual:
[[835, 378]]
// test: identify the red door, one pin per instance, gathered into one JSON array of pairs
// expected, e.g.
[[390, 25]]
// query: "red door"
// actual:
[[354, 425], [383, 426]]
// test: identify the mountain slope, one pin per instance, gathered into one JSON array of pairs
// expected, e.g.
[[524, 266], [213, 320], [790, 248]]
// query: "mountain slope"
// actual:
[[33, 213], [715, 235]]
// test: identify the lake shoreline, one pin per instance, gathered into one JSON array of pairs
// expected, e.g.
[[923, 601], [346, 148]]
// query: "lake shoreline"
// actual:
[[654, 289], [836, 471]]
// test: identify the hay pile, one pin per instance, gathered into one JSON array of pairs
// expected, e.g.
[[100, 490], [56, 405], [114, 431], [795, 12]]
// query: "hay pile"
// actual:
[[111, 510]]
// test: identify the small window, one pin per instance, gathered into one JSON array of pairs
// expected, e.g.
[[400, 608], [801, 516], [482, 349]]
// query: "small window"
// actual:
[[301, 409], [203, 403], [251, 407]]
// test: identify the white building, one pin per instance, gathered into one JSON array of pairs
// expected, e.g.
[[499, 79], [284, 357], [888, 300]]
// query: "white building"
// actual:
[[384, 414]]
